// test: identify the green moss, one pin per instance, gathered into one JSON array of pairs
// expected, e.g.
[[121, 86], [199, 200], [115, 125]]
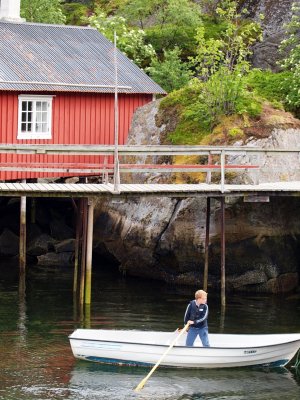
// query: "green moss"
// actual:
[[188, 130], [235, 132], [269, 85]]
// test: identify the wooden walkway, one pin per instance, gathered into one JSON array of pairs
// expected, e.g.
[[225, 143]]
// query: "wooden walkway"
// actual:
[[170, 190]]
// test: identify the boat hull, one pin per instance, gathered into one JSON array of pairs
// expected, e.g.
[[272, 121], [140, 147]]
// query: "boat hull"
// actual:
[[227, 351]]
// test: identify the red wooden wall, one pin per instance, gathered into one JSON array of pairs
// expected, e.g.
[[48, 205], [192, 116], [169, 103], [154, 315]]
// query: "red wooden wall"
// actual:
[[76, 119]]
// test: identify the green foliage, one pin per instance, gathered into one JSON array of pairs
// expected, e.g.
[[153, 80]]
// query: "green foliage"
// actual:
[[138, 11], [222, 64], [130, 41], [213, 29], [109, 6], [75, 13], [188, 130], [201, 105], [291, 62], [167, 23], [224, 93], [231, 48], [44, 11], [235, 132], [168, 37], [171, 73], [163, 12], [272, 86]]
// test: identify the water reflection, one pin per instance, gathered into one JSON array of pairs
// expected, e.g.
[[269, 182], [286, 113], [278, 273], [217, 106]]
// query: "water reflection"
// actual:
[[112, 382], [37, 362], [22, 310]]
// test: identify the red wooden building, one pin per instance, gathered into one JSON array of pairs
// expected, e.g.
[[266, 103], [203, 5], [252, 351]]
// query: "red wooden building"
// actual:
[[57, 86]]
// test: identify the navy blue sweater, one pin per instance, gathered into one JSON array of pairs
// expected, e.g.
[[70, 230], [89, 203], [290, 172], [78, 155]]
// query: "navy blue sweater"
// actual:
[[195, 313]]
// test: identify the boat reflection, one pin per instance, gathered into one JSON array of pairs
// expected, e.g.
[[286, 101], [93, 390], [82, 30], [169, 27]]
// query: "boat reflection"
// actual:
[[113, 382]]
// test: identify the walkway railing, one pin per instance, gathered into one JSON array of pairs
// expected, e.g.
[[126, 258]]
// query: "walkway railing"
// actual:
[[211, 159]]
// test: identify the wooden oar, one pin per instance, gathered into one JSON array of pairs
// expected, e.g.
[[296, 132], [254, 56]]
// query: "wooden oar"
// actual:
[[143, 381]]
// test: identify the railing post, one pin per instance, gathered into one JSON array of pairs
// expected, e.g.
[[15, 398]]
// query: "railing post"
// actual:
[[105, 173], [116, 110], [208, 174], [117, 176], [222, 171]]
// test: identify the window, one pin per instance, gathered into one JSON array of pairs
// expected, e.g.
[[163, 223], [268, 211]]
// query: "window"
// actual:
[[35, 115]]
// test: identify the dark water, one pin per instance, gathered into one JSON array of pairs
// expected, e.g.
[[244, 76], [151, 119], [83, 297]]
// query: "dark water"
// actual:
[[36, 361]]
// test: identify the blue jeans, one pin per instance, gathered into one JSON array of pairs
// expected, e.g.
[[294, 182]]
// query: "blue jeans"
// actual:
[[194, 332]]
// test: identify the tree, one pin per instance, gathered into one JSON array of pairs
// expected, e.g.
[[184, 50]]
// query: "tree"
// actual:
[[139, 11], [221, 64], [130, 41], [232, 48], [167, 23], [75, 13], [45, 11], [171, 73], [291, 62]]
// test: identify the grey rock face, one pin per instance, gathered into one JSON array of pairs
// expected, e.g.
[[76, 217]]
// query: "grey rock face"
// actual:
[[276, 15], [9, 243], [164, 238]]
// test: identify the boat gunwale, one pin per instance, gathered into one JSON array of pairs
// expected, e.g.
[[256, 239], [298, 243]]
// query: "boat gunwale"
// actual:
[[186, 347]]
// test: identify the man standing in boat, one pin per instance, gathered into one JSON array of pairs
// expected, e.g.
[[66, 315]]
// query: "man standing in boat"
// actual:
[[196, 316]]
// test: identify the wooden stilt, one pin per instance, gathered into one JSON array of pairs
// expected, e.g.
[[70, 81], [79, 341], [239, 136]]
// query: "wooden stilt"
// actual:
[[22, 243], [33, 210], [83, 215], [222, 318], [77, 250], [89, 251], [87, 316], [223, 295], [205, 277]]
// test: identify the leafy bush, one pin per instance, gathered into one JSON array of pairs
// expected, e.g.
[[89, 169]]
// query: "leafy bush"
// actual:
[[130, 41], [167, 23], [170, 36], [46, 11], [75, 13], [200, 106], [291, 61], [171, 73]]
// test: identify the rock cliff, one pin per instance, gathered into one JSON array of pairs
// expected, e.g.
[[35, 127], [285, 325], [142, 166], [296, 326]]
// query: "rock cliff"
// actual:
[[163, 238], [276, 15]]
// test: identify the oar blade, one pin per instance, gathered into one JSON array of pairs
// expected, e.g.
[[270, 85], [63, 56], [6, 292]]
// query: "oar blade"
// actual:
[[140, 385], [143, 381]]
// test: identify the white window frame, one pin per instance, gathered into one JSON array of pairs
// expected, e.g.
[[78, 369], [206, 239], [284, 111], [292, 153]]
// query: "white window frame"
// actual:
[[33, 134]]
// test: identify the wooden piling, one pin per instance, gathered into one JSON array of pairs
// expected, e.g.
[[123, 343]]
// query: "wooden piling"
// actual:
[[22, 242], [77, 250], [87, 316], [33, 211], [83, 216], [223, 295], [89, 251], [205, 276]]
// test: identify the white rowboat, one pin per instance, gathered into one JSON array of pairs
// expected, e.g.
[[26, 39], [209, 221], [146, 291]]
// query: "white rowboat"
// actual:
[[144, 348]]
